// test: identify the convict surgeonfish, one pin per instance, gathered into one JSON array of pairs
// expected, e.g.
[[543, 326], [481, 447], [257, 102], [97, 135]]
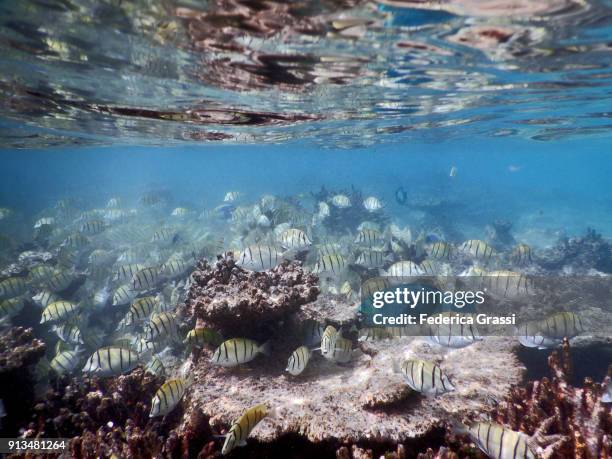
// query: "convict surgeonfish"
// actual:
[[374, 334], [237, 351], [60, 281], [452, 335], [113, 203], [201, 336], [123, 295], [507, 284], [441, 250], [328, 341], [298, 361], [371, 258], [92, 227], [372, 204], [11, 307], [374, 284], [44, 221], [369, 238], [12, 287], [180, 212], [173, 268], [165, 236], [259, 258], [161, 326], [562, 325], [529, 334], [477, 249], [423, 376], [65, 362], [111, 361], [294, 239], [341, 201], [145, 279], [342, 350], [497, 441], [155, 367], [58, 311], [242, 427], [168, 396], [41, 274], [231, 196], [402, 269], [521, 255], [69, 333], [333, 263], [312, 331]]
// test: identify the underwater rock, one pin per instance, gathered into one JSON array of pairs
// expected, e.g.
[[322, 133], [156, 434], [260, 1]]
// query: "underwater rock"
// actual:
[[329, 308], [498, 234], [360, 401], [577, 413], [244, 303], [579, 254], [19, 350]]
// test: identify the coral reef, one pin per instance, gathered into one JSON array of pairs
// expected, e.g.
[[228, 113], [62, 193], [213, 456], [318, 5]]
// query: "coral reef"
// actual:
[[111, 416], [579, 414], [19, 350], [230, 298], [579, 254], [498, 234], [361, 401]]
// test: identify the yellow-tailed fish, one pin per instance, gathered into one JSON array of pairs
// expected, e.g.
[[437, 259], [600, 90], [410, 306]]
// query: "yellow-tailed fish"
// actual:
[[161, 326]]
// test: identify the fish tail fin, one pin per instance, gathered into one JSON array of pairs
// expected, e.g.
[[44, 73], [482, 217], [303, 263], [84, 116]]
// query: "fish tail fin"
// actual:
[[396, 365], [265, 348]]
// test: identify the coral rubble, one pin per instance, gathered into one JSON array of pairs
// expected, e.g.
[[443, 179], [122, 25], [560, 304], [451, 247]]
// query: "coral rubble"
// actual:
[[19, 350]]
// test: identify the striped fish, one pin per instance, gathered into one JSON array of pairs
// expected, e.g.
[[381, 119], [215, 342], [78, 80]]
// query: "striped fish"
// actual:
[[521, 254], [499, 442], [529, 334], [332, 264], [58, 310], [92, 227], [60, 281], [126, 273], [452, 335], [431, 267], [75, 241], [294, 239], [123, 295], [369, 237], [477, 249], [201, 336], [100, 257], [41, 274], [142, 308], [11, 307], [180, 212], [371, 258], [328, 341], [507, 284], [111, 361], [341, 201], [142, 346], [65, 362], [298, 361], [231, 196], [372, 204], [562, 325], [69, 333], [423, 376], [441, 251], [113, 203], [374, 284], [12, 287], [237, 351], [50, 221], [259, 258], [161, 326], [242, 427], [165, 236], [174, 268], [155, 367], [168, 396], [404, 269], [145, 279], [342, 350]]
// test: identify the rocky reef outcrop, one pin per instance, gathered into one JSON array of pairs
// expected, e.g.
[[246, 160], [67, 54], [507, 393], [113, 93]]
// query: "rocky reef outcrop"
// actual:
[[226, 297], [579, 254], [19, 351]]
